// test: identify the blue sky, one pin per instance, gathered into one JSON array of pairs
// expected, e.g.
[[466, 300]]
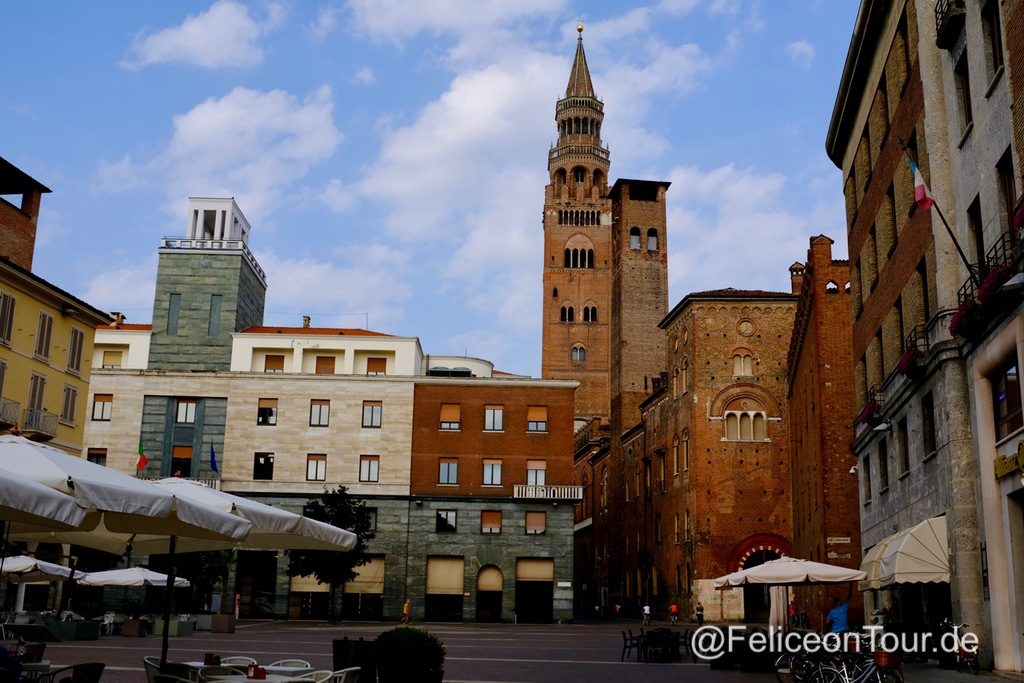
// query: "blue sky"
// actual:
[[391, 154]]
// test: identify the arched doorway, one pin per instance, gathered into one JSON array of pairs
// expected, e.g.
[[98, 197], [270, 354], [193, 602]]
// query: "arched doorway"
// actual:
[[756, 598], [489, 584]]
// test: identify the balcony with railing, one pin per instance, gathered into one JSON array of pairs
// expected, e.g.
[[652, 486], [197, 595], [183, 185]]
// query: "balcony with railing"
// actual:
[[950, 16], [9, 411], [987, 292], [39, 425], [205, 481], [185, 243], [871, 412], [578, 151], [547, 492]]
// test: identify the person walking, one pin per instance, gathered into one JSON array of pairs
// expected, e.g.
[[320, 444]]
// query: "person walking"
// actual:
[[405, 611], [700, 613], [647, 614], [837, 616], [673, 613]]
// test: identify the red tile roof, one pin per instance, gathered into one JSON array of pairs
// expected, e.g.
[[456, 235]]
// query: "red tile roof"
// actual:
[[346, 331]]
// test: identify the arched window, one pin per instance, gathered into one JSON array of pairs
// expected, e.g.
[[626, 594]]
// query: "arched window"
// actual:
[[686, 450], [572, 314], [675, 470], [590, 258], [831, 287], [634, 238], [685, 382], [652, 239], [745, 425], [579, 174], [568, 258], [675, 383], [554, 293], [578, 354], [564, 316], [742, 365]]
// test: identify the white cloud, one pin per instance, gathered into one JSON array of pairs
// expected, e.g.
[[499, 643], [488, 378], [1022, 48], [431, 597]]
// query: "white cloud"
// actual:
[[249, 144], [337, 196], [801, 52], [735, 227], [365, 76], [222, 36], [325, 23], [126, 287], [677, 6], [359, 279]]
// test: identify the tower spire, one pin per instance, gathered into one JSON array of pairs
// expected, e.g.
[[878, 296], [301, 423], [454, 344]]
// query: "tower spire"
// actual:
[[580, 84]]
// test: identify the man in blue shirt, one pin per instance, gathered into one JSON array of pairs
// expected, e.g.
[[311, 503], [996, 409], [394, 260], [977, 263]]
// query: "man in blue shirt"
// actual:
[[837, 616]]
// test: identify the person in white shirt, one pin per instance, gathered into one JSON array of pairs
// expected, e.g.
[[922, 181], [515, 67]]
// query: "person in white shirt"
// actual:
[[647, 614]]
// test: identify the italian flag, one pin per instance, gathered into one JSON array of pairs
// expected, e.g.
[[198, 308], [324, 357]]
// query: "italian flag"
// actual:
[[921, 195], [143, 460]]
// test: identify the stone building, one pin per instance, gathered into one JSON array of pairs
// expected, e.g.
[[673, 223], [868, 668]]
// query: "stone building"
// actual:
[[826, 510], [917, 468], [282, 414]]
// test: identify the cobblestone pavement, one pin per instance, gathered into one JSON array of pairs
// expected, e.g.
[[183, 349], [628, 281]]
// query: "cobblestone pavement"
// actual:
[[477, 653]]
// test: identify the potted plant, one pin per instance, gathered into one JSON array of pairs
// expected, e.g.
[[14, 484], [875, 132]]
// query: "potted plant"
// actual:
[[869, 413], [409, 654], [907, 364], [968, 322]]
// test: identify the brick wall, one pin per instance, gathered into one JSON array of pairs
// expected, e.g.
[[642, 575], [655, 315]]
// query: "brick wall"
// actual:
[[18, 229]]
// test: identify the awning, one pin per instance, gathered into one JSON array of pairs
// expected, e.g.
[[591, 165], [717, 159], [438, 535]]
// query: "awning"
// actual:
[[918, 555], [369, 577], [871, 565]]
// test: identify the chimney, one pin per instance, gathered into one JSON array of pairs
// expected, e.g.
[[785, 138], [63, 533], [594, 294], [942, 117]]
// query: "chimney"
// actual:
[[305, 321], [796, 277], [116, 318]]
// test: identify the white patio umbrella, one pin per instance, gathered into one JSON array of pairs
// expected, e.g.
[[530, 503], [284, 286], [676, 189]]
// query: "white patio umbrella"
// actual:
[[25, 569], [129, 578], [122, 512], [25, 501], [787, 571], [272, 527]]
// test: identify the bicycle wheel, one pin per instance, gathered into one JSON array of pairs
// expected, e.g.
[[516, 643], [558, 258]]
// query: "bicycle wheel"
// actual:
[[827, 674], [890, 676], [972, 663], [784, 669]]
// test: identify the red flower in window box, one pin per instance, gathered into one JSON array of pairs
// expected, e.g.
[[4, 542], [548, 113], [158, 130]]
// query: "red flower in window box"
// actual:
[[995, 279], [908, 361], [968, 322], [869, 413]]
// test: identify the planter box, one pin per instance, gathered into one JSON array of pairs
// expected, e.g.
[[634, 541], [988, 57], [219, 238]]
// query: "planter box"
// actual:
[[75, 630], [175, 627], [203, 621], [134, 628], [222, 623]]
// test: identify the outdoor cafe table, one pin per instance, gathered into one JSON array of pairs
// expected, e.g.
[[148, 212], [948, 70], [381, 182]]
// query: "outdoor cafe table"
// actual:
[[288, 671], [33, 670], [242, 678]]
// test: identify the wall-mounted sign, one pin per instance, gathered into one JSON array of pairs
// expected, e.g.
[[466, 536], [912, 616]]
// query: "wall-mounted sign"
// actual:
[[838, 540], [565, 584]]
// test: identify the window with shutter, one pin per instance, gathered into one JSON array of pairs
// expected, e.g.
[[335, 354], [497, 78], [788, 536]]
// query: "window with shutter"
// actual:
[[450, 416], [376, 366]]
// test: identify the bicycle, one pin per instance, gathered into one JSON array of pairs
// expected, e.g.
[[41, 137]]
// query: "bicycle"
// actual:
[[965, 659], [861, 668]]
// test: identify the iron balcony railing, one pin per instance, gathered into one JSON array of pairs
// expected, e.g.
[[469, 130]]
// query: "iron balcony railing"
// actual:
[[9, 410], [40, 422], [1007, 252], [950, 16], [214, 245], [206, 481], [917, 339], [545, 492]]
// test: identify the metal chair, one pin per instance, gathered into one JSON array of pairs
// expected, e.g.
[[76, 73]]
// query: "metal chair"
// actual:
[[211, 672], [292, 662], [318, 676], [78, 673], [168, 678], [349, 675], [237, 660]]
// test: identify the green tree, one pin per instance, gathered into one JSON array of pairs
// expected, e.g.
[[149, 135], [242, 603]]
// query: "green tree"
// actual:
[[338, 508]]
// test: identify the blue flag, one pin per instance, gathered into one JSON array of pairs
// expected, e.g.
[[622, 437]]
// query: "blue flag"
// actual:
[[213, 459]]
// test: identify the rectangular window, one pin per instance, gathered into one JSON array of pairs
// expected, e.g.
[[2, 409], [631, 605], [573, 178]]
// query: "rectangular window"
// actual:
[[367, 518], [494, 418], [36, 391], [675, 529], [448, 471], [903, 439], [962, 75], [1007, 189], [536, 471], [102, 407], [372, 411], [928, 436], [75, 345], [369, 468], [451, 414], [976, 230], [213, 325], [536, 522], [319, 413], [112, 359], [6, 317], [993, 36], [173, 308], [883, 466], [537, 419], [492, 473], [263, 466], [44, 328], [1006, 402], [445, 521], [3, 374], [266, 412], [376, 366], [866, 466], [325, 365], [68, 405], [686, 452], [185, 412], [490, 522], [181, 461], [273, 362], [97, 456], [316, 467]]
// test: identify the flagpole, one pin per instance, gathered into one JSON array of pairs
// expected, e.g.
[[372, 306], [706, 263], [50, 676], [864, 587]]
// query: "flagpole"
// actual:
[[949, 230]]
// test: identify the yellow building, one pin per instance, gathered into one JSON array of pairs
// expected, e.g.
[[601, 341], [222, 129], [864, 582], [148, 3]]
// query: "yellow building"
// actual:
[[46, 339]]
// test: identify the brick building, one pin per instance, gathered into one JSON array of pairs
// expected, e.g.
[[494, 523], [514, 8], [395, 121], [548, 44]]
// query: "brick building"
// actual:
[[289, 412], [18, 223], [826, 511], [902, 95]]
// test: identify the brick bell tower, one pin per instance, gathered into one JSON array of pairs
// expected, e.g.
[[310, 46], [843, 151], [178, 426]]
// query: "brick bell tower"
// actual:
[[578, 247]]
